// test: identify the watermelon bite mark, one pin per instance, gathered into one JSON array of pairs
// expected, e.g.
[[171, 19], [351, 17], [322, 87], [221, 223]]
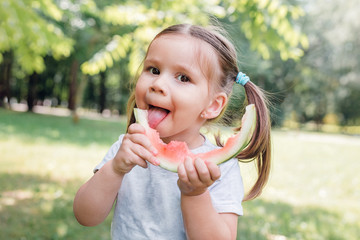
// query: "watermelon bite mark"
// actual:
[[172, 154]]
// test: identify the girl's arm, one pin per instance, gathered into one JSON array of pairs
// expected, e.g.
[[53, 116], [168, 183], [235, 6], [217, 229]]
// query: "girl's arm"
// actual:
[[201, 220], [95, 198]]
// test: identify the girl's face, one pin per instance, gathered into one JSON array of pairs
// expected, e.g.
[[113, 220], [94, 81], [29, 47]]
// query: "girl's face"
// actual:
[[174, 88]]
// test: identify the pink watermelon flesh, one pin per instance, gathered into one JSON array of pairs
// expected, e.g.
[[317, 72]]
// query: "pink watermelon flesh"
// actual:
[[172, 154], [155, 116]]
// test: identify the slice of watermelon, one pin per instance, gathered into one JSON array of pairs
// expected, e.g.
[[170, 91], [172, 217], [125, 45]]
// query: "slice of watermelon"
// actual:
[[172, 154]]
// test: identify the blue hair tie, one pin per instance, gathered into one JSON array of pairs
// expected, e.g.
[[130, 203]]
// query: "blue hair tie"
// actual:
[[242, 79]]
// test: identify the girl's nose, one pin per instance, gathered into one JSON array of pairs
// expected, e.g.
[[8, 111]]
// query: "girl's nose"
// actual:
[[159, 86]]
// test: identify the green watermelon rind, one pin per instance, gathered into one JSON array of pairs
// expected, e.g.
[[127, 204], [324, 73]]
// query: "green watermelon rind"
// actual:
[[243, 137], [218, 156]]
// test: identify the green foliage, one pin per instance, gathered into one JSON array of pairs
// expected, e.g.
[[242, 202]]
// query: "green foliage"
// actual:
[[266, 24], [144, 21], [116, 49], [309, 77], [28, 29], [326, 80]]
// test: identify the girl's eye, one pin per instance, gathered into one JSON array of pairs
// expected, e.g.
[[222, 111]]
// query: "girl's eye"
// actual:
[[183, 78], [154, 71]]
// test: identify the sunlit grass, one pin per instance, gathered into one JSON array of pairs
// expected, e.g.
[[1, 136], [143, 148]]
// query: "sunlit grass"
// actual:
[[44, 160], [38, 183], [322, 167], [313, 192]]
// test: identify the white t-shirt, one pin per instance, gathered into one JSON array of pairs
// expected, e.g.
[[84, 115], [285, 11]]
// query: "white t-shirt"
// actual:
[[148, 201]]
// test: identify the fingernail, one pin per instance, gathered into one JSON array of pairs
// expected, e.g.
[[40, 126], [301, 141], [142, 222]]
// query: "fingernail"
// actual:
[[156, 161], [154, 151]]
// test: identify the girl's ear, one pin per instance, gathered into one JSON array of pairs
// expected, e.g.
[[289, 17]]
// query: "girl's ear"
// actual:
[[215, 107]]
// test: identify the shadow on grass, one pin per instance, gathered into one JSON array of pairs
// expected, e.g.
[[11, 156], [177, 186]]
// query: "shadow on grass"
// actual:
[[278, 220], [34, 207], [35, 127]]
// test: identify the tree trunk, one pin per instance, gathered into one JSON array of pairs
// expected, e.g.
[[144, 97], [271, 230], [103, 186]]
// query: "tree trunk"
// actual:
[[31, 96], [102, 97], [5, 75], [73, 85]]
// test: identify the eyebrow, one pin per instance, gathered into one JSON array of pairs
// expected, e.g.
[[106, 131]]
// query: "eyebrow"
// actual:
[[152, 61]]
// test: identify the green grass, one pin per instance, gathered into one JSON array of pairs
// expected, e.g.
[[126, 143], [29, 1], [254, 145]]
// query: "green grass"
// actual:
[[313, 192], [30, 127]]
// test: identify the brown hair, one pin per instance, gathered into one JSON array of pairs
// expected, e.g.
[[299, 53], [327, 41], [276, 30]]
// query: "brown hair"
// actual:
[[259, 148]]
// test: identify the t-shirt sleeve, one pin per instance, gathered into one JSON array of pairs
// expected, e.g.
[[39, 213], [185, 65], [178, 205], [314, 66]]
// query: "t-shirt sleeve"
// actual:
[[227, 193], [110, 154]]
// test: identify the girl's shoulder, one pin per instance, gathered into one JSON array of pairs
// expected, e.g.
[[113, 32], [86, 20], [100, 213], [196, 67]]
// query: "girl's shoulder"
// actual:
[[110, 153]]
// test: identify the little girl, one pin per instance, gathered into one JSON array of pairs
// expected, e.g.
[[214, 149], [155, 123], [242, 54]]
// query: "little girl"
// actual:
[[187, 78]]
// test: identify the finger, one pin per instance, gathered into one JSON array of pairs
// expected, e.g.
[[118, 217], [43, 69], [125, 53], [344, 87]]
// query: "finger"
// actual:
[[142, 140], [203, 172], [125, 164], [144, 154], [133, 155], [136, 128], [191, 171], [139, 161], [214, 171], [182, 173]]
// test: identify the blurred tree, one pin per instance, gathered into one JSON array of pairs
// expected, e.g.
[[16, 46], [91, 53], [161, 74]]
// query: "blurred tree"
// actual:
[[81, 24], [31, 94], [267, 27], [266, 24], [111, 36], [326, 80], [5, 75], [29, 32]]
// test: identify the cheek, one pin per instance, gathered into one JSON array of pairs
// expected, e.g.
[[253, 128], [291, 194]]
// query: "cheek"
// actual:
[[194, 103], [140, 91]]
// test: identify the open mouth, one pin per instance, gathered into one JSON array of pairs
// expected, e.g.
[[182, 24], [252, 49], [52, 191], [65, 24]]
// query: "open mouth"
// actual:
[[156, 115]]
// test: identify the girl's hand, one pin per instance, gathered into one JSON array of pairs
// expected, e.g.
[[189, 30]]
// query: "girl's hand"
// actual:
[[196, 176], [135, 149]]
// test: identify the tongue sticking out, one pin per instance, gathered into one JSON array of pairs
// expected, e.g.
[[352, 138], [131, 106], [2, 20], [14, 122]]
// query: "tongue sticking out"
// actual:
[[155, 116]]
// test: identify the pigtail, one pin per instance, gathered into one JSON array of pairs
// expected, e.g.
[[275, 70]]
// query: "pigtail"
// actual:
[[259, 148]]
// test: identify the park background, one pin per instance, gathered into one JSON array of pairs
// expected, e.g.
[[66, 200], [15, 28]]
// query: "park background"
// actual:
[[65, 71]]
